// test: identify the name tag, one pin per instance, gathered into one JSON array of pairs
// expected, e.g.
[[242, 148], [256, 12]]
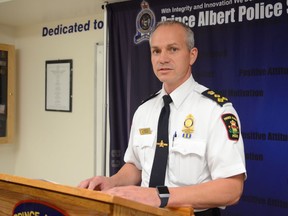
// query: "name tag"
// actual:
[[145, 131]]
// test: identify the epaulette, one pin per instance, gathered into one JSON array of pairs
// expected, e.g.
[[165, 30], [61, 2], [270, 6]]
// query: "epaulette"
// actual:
[[150, 97], [221, 100]]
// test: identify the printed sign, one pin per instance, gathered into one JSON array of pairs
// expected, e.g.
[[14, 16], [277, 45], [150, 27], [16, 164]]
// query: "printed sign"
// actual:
[[36, 208]]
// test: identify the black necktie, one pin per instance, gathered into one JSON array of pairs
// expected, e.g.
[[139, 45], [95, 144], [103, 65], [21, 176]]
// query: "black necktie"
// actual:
[[157, 177]]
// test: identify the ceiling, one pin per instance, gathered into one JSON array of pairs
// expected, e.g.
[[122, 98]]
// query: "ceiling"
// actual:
[[28, 12]]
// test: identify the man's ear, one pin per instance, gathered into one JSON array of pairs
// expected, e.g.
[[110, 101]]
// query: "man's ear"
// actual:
[[193, 55]]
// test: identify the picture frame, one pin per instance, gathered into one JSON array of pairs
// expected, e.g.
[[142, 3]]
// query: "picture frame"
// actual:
[[58, 85]]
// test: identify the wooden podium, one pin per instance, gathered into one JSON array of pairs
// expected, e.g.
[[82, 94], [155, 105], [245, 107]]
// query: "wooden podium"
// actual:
[[73, 201]]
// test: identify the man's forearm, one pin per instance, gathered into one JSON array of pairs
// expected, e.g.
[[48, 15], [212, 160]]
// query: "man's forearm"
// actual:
[[220, 192], [127, 175]]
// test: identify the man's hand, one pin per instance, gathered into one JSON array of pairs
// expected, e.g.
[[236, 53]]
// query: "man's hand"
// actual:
[[99, 183], [143, 195], [127, 175]]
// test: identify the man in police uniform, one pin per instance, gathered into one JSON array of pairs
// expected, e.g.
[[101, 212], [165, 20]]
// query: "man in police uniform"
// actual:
[[206, 165]]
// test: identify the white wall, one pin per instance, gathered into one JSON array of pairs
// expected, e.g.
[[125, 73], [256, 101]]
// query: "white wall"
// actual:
[[57, 146]]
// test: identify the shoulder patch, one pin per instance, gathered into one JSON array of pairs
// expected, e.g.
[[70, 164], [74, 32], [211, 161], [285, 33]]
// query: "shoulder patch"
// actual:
[[221, 100], [231, 125], [150, 97]]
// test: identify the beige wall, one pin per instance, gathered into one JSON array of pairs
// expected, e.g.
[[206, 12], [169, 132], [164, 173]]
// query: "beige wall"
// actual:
[[57, 146], [7, 151]]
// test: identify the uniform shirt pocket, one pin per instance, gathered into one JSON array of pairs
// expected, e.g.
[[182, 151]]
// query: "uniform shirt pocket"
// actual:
[[187, 164], [189, 146], [144, 148]]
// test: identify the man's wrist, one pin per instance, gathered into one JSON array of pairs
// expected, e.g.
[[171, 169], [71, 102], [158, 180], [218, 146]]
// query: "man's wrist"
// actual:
[[163, 193]]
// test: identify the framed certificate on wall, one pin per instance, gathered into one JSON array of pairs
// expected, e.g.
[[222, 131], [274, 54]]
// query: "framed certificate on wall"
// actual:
[[58, 85], [7, 93]]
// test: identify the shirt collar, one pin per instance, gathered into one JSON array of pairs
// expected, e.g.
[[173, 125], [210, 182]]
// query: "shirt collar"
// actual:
[[180, 93]]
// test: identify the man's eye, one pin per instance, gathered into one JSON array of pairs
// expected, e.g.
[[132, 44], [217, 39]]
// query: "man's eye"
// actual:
[[155, 52], [173, 49]]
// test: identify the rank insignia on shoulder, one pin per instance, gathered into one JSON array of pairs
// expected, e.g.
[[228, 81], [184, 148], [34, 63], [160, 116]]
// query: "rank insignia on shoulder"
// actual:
[[150, 97], [232, 127], [221, 100]]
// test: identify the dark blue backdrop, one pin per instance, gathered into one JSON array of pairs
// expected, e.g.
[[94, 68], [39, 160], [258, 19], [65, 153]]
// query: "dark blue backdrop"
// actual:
[[244, 55]]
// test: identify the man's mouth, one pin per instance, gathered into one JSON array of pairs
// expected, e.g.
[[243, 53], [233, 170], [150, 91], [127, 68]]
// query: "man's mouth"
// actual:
[[164, 68]]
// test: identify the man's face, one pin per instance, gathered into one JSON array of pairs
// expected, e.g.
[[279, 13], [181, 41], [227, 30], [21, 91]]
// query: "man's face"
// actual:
[[170, 56]]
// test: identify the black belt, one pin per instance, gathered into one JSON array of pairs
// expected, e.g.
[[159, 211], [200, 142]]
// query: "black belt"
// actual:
[[209, 212]]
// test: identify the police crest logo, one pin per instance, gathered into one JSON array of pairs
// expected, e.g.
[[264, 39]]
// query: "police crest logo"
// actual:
[[232, 127], [145, 23], [36, 207]]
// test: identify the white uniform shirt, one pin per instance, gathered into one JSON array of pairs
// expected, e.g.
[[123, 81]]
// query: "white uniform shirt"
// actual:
[[204, 153]]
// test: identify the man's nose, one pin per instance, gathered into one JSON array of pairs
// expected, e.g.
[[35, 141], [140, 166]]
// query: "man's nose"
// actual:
[[164, 57]]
